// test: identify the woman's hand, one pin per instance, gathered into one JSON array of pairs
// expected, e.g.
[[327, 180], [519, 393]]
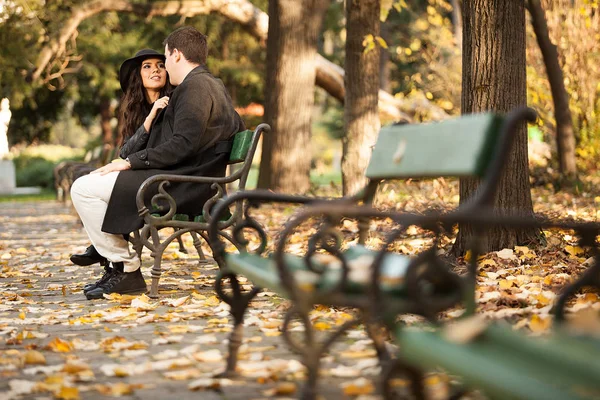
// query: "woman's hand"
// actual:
[[117, 165], [158, 105]]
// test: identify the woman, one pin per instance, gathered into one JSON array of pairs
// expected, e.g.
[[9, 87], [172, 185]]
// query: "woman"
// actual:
[[146, 87]]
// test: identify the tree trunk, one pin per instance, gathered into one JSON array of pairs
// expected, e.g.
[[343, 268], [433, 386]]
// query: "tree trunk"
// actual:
[[494, 78], [361, 118], [457, 21], [565, 136], [291, 69], [106, 113]]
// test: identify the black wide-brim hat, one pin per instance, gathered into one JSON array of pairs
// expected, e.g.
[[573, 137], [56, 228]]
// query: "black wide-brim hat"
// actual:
[[130, 65]]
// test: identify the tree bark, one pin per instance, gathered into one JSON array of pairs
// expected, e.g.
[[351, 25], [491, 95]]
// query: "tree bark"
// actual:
[[361, 117], [291, 70], [457, 21], [329, 76], [565, 135], [494, 78], [106, 113]]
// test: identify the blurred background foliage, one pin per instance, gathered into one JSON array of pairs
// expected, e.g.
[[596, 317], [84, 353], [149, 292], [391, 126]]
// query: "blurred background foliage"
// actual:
[[421, 61]]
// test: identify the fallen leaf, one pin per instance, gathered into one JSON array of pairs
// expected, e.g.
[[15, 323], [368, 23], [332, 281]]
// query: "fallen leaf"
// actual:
[[59, 346], [465, 330], [539, 324], [33, 357]]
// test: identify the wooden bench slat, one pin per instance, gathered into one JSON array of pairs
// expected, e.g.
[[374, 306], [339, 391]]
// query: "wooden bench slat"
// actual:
[[263, 272], [241, 145], [501, 363], [458, 147]]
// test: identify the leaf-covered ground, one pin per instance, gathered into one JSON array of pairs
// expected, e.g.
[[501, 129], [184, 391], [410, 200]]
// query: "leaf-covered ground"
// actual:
[[56, 344]]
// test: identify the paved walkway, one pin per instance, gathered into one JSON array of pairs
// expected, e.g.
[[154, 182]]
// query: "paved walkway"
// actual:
[[55, 343]]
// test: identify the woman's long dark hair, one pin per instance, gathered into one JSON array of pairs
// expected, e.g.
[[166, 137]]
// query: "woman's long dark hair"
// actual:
[[134, 107]]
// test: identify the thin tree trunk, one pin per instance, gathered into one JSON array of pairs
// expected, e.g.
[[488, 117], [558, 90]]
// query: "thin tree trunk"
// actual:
[[457, 21], [361, 118], [494, 78], [106, 113], [565, 135], [291, 69]]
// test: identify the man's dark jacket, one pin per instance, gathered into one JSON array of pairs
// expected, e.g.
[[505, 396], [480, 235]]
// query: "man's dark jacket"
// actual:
[[182, 141]]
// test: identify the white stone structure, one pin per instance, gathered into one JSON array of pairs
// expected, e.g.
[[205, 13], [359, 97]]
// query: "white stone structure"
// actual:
[[7, 167], [5, 115]]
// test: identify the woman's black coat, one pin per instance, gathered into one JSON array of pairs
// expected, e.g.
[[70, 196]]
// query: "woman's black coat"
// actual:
[[181, 141]]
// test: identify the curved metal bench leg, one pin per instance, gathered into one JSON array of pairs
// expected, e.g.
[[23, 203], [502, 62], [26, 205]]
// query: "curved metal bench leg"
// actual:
[[415, 376], [156, 268], [202, 260], [238, 302], [180, 241], [136, 242], [310, 349]]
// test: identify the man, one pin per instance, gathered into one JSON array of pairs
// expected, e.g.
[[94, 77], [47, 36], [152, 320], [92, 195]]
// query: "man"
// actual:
[[187, 138]]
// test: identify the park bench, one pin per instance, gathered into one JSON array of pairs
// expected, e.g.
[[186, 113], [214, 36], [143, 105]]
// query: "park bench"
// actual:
[[244, 147], [331, 274], [66, 172], [491, 357]]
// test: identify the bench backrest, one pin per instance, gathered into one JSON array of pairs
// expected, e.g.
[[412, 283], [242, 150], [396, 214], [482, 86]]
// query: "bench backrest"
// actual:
[[241, 144], [459, 147]]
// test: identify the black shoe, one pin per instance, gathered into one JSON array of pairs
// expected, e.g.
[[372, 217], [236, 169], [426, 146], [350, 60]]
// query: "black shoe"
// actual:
[[120, 282], [88, 257], [103, 279]]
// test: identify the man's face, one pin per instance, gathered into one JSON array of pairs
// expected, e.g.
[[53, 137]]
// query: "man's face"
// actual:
[[170, 65]]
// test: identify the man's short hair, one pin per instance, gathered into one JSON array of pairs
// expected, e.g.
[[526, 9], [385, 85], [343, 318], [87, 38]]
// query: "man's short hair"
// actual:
[[190, 42]]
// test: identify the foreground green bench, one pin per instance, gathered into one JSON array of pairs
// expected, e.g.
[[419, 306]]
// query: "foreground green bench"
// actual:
[[329, 273], [491, 357], [242, 153]]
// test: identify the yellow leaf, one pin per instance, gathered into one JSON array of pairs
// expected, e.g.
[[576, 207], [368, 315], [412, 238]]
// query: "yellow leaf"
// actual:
[[539, 324], [487, 262], [22, 315], [381, 42], [542, 300], [34, 357], [468, 255], [60, 346], [68, 393], [358, 387], [522, 249], [574, 250], [505, 284], [322, 326]]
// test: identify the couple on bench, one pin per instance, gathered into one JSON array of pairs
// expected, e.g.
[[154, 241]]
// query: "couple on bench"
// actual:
[[186, 132]]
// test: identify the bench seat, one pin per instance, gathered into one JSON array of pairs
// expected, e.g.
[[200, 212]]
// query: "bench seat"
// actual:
[[509, 365], [262, 271]]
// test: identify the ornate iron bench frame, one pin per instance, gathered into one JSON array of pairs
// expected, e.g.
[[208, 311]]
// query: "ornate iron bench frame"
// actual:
[[197, 226], [339, 293]]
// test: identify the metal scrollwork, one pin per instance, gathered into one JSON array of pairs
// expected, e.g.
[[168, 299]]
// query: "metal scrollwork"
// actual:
[[160, 196]]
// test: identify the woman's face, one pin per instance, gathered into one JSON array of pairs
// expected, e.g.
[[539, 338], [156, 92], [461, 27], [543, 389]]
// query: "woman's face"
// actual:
[[154, 74]]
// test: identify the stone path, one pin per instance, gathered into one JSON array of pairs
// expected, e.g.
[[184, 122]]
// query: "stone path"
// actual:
[[56, 344]]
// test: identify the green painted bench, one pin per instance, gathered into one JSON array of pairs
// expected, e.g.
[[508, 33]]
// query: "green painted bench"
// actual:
[[505, 364], [332, 274], [242, 153], [491, 357]]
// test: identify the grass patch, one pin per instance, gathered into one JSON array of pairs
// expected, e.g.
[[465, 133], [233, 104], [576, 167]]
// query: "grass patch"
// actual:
[[44, 195]]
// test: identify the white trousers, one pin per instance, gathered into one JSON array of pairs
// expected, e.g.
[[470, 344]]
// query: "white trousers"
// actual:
[[90, 195]]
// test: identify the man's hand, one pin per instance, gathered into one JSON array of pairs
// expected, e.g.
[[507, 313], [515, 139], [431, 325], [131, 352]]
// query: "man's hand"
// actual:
[[117, 165]]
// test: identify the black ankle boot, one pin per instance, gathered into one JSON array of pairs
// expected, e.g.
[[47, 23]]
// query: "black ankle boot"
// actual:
[[103, 279], [120, 282], [88, 257]]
